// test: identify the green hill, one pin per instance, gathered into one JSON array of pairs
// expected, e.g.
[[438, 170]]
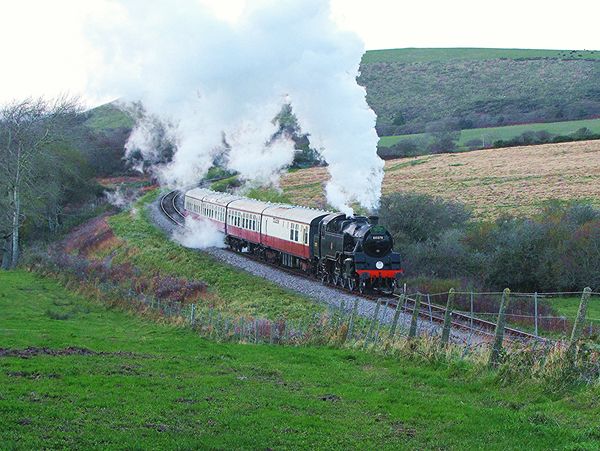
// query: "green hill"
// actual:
[[419, 90], [108, 116]]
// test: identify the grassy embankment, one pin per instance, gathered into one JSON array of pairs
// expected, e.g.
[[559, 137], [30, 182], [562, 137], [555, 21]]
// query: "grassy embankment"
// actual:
[[490, 134], [138, 384], [232, 290], [569, 306]]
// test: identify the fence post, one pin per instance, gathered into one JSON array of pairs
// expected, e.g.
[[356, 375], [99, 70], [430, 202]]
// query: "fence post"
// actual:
[[579, 322], [430, 312], [535, 306], [448, 318], [372, 326], [396, 315], [353, 318], [242, 325], [412, 333], [193, 315], [472, 309], [380, 320], [499, 337]]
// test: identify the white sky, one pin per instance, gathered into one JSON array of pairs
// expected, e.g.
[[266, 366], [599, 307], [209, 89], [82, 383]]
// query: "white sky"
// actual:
[[43, 51]]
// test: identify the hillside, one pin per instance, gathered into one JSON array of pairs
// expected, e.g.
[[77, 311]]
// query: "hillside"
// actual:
[[78, 375], [516, 180], [414, 90], [107, 117]]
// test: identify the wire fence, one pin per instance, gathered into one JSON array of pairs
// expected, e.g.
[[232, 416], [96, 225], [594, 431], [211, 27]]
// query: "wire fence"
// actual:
[[541, 314]]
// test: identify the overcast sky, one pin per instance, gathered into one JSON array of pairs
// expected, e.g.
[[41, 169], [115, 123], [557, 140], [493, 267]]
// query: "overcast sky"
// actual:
[[44, 52]]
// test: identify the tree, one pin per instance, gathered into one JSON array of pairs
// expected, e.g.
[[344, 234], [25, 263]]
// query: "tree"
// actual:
[[29, 129]]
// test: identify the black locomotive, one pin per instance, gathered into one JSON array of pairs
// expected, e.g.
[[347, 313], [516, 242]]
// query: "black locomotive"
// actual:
[[356, 253]]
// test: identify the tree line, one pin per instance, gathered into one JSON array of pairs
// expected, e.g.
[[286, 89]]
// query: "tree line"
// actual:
[[46, 164]]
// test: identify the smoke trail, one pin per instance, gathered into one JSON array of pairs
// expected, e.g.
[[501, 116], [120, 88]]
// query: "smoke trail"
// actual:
[[212, 79], [199, 234]]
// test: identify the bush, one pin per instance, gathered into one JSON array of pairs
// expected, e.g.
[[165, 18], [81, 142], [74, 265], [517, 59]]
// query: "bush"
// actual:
[[557, 250], [405, 148], [414, 218]]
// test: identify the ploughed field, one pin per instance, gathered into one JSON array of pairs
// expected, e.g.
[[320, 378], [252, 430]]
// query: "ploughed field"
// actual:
[[515, 180], [76, 374]]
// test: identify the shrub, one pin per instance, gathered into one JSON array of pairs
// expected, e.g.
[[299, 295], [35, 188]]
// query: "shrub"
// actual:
[[415, 218]]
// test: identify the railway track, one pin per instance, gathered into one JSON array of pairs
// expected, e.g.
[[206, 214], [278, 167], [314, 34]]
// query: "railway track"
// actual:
[[428, 311], [168, 205]]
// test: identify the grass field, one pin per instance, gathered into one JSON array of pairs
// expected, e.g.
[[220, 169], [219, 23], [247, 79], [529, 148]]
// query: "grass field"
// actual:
[[491, 134], [104, 379], [568, 306], [411, 55], [516, 180]]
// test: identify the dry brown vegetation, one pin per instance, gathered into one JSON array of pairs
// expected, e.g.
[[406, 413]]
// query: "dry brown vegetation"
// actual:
[[516, 180]]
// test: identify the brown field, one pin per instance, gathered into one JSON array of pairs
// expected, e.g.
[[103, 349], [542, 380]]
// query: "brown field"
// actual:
[[515, 180]]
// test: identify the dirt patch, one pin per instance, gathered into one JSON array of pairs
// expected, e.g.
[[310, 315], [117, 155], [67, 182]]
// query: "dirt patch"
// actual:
[[402, 429], [109, 182], [71, 350], [33, 375], [91, 237], [330, 398]]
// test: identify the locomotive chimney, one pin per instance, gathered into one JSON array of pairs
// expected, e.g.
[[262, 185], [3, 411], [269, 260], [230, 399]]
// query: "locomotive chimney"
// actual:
[[374, 220]]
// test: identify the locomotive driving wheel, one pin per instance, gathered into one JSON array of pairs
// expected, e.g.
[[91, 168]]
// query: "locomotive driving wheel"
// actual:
[[351, 283], [362, 287]]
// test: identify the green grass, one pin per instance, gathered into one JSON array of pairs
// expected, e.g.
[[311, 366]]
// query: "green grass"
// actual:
[[108, 116], [411, 55], [268, 195], [226, 183], [569, 306], [491, 134], [234, 290], [157, 386]]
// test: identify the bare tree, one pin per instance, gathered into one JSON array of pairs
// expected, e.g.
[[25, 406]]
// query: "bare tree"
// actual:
[[28, 129]]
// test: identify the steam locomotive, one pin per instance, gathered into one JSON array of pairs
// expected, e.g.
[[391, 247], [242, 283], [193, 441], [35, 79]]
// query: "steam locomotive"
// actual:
[[352, 252]]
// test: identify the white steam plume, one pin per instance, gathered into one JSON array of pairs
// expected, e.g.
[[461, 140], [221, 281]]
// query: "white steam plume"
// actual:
[[212, 79], [199, 234]]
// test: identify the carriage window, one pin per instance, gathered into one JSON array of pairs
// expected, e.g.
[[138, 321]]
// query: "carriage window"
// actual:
[[291, 234], [296, 233], [305, 237]]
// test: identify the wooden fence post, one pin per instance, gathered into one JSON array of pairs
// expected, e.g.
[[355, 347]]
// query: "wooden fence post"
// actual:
[[396, 315], [579, 323], [353, 318], [381, 319], [448, 318], [412, 333], [499, 337], [372, 327]]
